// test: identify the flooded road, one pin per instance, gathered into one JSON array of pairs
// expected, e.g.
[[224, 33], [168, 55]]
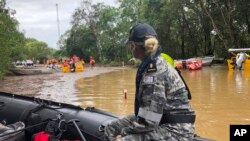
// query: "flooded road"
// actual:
[[106, 91], [219, 97]]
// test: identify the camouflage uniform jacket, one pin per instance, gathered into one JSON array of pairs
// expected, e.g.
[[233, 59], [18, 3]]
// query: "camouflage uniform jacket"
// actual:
[[161, 90]]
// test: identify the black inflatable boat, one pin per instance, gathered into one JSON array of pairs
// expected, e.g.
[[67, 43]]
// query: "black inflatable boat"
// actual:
[[64, 120]]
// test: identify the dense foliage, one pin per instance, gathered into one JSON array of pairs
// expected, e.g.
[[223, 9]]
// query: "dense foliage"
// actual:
[[37, 50], [13, 44], [186, 28], [11, 40]]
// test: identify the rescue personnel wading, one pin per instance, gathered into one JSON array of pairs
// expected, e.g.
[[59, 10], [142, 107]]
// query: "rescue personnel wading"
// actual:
[[162, 109]]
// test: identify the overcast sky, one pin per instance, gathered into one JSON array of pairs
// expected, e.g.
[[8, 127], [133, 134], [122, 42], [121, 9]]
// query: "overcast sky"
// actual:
[[38, 18]]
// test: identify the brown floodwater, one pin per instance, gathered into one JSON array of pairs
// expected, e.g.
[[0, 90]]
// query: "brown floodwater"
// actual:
[[219, 97]]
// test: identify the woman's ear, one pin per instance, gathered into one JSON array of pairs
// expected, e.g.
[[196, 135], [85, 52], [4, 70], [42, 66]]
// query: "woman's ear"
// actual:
[[132, 44]]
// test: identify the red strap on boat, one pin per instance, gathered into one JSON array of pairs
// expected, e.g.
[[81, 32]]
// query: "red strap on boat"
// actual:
[[41, 136]]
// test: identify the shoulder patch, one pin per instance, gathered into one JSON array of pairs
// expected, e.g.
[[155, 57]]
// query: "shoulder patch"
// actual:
[[152, 67]]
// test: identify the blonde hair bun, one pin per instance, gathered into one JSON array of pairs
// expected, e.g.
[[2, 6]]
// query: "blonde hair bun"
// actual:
[[151, 45]]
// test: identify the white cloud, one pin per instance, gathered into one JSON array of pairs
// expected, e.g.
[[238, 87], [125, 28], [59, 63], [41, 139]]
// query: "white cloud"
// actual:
[[38, 18]]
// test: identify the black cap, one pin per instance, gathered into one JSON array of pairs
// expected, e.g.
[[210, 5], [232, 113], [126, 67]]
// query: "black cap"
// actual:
[[140, 31]]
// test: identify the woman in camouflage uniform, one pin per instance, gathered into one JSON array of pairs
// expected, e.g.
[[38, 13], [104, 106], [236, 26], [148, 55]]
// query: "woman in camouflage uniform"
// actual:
[[162, 108]]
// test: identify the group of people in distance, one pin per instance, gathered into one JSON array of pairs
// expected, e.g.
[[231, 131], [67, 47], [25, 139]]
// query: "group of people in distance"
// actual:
[[70, 64]]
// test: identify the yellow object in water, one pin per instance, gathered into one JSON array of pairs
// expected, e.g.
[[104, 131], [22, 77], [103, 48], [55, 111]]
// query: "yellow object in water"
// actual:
[[169, 59], [79, 67], [65, 69]]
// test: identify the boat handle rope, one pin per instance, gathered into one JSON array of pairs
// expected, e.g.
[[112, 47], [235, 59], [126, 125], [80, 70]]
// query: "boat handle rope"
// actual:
[[61, 128], [41, 105]]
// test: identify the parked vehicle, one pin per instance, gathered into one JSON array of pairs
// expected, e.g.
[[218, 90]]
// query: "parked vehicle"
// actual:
[[24, 63]]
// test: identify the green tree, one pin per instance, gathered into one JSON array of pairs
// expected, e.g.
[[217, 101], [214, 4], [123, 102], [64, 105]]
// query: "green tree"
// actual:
[[81, 42], [36, 50], [87, 14], [11, 40], [185, 28], [105, 24], [230, 20]]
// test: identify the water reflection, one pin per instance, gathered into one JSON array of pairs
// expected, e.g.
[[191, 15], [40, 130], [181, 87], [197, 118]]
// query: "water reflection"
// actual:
[[107, 91], [216, 100], [219, 97], [239, 80]]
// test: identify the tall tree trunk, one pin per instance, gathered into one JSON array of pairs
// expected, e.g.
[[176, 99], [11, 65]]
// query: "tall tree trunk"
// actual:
[[220, 35]]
